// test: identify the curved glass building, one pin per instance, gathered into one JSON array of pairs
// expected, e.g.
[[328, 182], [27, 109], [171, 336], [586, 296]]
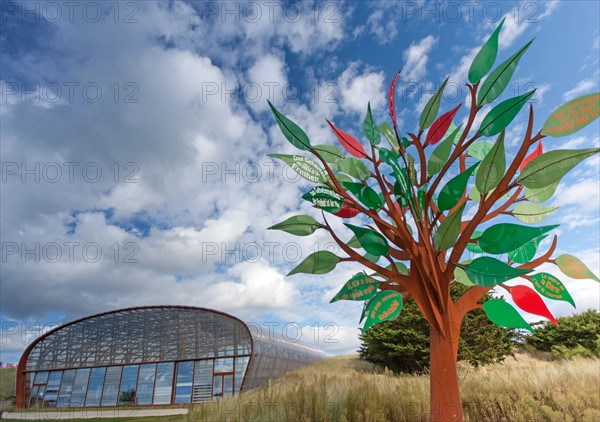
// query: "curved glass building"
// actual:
[[156, 355]]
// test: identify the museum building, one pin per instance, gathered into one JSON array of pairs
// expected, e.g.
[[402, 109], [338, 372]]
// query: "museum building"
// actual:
[[153, 355]]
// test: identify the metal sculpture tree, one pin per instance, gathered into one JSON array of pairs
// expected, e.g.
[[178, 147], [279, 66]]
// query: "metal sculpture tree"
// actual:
[[408, 212]]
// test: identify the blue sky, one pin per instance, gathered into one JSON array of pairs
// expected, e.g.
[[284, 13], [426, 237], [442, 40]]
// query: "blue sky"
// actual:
[[134, 142]]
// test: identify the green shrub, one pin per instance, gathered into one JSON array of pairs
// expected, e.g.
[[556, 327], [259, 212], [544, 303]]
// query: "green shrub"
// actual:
[[576, 335]]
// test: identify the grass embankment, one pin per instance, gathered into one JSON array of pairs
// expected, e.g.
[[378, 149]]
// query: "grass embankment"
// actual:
[[346, 389], [7, 383]]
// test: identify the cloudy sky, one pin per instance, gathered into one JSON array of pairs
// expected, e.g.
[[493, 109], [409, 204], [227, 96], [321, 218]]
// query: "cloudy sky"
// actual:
[[135, 138]]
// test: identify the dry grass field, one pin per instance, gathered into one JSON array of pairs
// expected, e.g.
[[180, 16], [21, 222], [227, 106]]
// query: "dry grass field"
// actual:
[[344, 388], [347, 389]]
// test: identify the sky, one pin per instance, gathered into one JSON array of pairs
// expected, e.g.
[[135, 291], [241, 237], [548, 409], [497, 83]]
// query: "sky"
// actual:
[[135, 138]]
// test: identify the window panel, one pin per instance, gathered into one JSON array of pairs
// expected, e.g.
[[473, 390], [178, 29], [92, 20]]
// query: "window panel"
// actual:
[[203, 372], [223, 365], [183, 388], [217, 386], [128, 385], [79, 387], [41, 378], [146, 384], [40, 395], [164, 383], [94, 393], [66, 387], [52, 388], [111, 386], [240, 370], [33, 397], [227, 385]]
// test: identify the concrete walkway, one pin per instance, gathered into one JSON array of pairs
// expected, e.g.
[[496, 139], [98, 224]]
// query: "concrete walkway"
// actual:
[[92, 413]]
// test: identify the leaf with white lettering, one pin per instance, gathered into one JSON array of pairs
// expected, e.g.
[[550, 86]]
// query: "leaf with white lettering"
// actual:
[[385, 306], [324, 198], [305, 167]]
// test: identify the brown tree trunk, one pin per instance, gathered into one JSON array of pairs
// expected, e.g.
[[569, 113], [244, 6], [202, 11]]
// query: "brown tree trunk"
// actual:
[[445, 401]]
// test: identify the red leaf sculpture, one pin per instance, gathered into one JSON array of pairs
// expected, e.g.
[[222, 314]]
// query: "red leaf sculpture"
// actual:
[[347, 212], [391, 98], [440, 126], [349, 142], [529, 301], [536, 153]]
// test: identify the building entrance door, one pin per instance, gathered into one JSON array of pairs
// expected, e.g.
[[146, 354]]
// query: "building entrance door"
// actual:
[[222, 385]]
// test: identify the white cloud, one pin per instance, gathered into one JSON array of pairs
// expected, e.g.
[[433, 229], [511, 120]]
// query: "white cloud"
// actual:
[[582, 87], [584, 195], [359, 89], [269, 76], [382, 27], [416, 57]]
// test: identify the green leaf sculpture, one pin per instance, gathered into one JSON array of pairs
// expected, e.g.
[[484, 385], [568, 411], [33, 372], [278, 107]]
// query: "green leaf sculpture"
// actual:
[[408, 203], [541, 194], [370, 240], [492, 168], [448, 232], [440, 154], [505, 237], [498, 80], [353, 167], [487, 271], [485, 58], [359, 287], [298, 225], [385, 306], [479, 149], [551, 166], [370, 129], [525, 253], [329, 153], [320, 262], [387, 131], [432, 107], [504, 315], [291, 130], [454, 189], [365, 194], [530, 213], [501, 115]]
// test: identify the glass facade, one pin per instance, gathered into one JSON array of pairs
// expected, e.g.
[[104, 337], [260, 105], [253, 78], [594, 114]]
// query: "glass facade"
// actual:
[[151, 356]]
